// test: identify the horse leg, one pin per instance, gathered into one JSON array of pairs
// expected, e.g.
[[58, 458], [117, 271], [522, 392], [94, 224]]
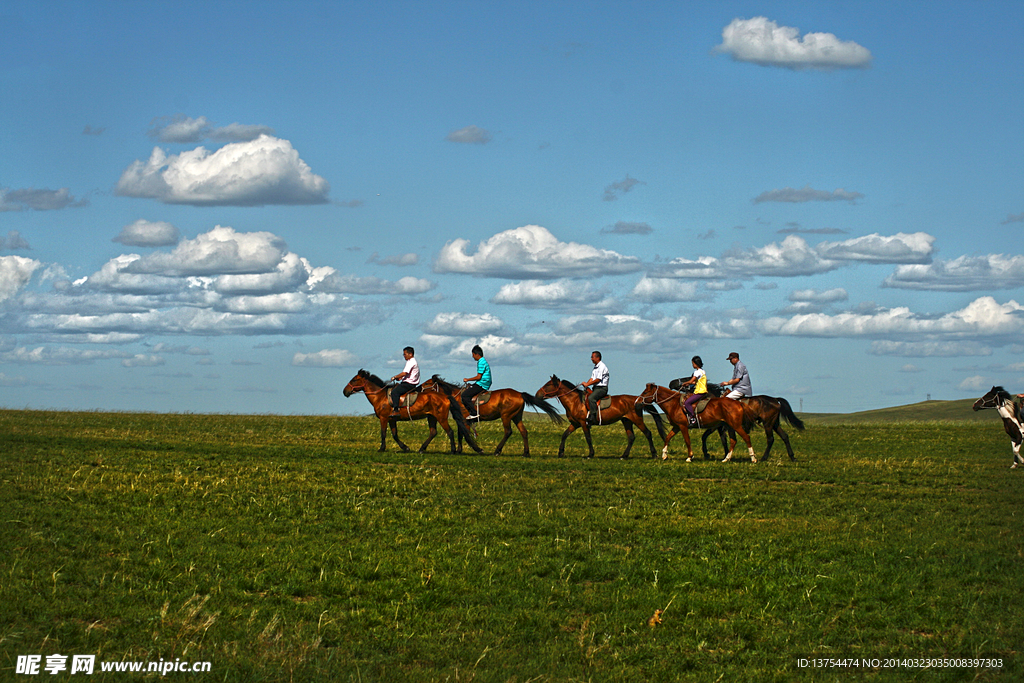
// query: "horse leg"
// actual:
[[432, 422], [590, 442], [526, 438], [383, 434], [565, 435], [394, 435], [1017, 459], [451, 437], [689, 446], [650, 438], [629, 438], [668, 437], [508, 432]]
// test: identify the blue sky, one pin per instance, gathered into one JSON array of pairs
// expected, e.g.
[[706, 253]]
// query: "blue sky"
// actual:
[[232, 207]]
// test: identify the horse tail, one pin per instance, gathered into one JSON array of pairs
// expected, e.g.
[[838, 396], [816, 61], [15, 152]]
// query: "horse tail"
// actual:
[[791, 418], [534, 402], [659, 423]]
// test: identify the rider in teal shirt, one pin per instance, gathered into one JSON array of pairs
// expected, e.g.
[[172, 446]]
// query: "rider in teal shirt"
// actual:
[[482, 379]]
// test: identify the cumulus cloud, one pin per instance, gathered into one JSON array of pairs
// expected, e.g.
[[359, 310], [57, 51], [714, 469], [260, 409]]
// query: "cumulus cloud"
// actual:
[[818, 297], [975, 383], [963, 274], [656, 290], [807, 194], [455, 324], [263, 171], [983, 318], [221, 282], [142, 360], [531, 252], [143, 233], [472, 135], [794, 257], [39, 200], [44, 355], [327, 358], [899, 248], [13, 241], [352, 284], [186, 130], [625, 228], [15, 272], [553, 295], [762, 41], [616, 190]]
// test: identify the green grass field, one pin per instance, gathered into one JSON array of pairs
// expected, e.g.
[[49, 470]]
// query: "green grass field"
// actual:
[[287, 549]]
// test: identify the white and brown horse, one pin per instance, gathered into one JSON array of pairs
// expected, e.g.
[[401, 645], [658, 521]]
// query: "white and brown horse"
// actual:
[[1000, 399]]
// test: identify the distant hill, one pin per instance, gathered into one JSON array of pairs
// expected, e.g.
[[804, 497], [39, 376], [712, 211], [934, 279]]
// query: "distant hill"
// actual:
[[925, 411]]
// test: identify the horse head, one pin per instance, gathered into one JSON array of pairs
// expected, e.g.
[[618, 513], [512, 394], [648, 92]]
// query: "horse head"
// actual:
[[550, 388], [995, 397]]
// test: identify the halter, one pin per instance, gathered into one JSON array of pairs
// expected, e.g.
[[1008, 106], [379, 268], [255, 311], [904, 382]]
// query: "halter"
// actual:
[[996, 401], [654, 398]]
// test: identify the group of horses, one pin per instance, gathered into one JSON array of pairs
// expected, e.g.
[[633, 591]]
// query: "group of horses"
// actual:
[[436, 399]]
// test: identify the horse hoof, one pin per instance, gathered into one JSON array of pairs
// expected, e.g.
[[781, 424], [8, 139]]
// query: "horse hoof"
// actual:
[[689, 460]]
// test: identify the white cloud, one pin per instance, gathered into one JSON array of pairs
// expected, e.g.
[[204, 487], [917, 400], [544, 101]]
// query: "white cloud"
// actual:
[[473, 135], [505, 351], [397, 260], [982, 318], [974, 384], [927, 349], [141, 360], [143, 233], [531, 252], [764, 42], [352, 284], [44, 355], [794, 196], [818, 297], [557, 294], [663, 290], [795, 257], [899, 248], [184, 129], [263, 171], [15, 272], [455, 324], [963, 274], [327, 358], [220, 251]]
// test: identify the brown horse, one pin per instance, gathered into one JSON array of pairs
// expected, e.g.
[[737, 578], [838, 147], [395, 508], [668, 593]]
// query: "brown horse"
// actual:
[[429, 404], [718, 411], [769, 411], [506, 405], [623, 408]]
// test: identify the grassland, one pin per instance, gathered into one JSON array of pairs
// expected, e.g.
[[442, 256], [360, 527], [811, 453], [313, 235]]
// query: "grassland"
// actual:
[[285, 548]]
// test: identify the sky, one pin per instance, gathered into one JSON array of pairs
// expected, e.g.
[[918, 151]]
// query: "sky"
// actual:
[[232, 207]]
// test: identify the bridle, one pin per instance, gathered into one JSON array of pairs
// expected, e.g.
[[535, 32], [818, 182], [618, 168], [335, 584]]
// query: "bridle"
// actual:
[[993, 401], [654, 398]]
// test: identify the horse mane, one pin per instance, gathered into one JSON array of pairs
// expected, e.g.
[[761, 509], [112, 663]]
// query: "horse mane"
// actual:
[[371, 377], [445, 384], [1002, 393]]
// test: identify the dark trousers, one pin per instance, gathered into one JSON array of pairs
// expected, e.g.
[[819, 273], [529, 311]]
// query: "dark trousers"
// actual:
[[690, 402], [467, 397], [400, 390], [596, 395]]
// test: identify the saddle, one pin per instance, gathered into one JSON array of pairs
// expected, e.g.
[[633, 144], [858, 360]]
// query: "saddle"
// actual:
[[605, 403], [699, 406], [408, 399]]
